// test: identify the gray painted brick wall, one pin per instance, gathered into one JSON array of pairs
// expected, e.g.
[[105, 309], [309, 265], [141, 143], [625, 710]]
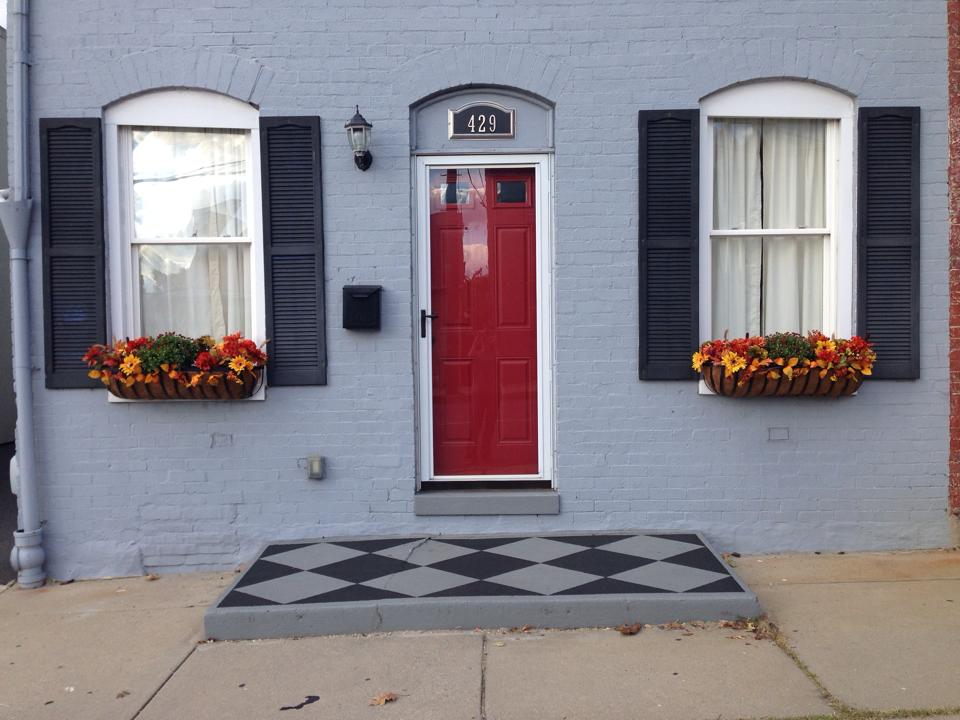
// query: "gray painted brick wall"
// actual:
[[163, 486]]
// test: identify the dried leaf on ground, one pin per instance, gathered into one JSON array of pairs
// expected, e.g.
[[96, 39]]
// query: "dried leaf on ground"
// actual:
[[122, 694], [630, 629], [150, 577], [523, 629], [674, 626], [766, 630], [739, 624], [384, 698]]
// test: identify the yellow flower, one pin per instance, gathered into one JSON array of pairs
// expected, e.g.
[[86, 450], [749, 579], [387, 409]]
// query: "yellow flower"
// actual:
[[732, 362], [130, 365], [826, 345], [698, 359], [93, 374], [240, 363]]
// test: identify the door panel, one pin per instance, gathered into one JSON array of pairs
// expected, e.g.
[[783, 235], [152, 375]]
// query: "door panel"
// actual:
[[484, 335]]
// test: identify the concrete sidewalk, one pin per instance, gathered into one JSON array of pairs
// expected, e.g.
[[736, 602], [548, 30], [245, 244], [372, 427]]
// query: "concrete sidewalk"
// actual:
[[860, 636]]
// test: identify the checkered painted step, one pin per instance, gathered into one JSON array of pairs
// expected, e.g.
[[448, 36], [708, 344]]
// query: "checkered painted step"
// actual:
[[399, 569]]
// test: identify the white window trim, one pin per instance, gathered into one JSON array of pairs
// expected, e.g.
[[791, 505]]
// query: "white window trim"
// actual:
[[788, 99], [186, 109]]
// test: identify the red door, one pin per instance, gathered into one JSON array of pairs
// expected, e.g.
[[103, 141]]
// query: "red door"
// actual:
[[484, 335]]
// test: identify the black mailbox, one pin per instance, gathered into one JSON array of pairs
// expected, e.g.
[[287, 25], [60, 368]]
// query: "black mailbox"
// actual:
[[361, 307]]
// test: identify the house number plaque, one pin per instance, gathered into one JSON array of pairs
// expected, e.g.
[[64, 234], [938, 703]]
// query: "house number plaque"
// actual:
[[481, 120]]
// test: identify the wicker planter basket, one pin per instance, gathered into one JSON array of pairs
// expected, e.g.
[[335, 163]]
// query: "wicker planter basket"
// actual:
[[759, 385], [168, 389]]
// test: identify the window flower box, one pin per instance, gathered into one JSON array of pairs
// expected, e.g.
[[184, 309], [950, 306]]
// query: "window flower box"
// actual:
[[175, 367], [785, 364]]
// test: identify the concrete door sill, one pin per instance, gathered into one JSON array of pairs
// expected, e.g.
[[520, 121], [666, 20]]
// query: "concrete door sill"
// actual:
[[487, 502]]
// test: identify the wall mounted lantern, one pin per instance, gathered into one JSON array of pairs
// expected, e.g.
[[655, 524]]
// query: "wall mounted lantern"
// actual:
[[358, 132]]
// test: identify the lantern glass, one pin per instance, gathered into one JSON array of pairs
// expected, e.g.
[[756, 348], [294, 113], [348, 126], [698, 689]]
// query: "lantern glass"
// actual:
[[359, 138]]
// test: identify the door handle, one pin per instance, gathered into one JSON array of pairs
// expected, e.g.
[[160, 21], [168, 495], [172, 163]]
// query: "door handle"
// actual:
[[423, 322]]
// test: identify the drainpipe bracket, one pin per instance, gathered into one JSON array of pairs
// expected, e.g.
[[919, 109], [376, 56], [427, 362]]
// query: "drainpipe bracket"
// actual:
[[27, 558], [15, 218]]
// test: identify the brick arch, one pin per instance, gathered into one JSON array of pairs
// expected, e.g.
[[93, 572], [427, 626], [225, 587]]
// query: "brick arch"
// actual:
[[240, 78], [503, 66], [825, 64]]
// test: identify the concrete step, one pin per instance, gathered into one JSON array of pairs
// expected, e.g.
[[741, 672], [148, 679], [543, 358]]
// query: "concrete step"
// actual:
[[371, 584]]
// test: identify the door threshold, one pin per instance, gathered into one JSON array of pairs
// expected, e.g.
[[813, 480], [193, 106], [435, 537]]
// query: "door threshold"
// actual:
[[439, 485], [480, 501]]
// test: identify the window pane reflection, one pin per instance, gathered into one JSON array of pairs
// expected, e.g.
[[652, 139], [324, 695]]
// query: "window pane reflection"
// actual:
[[189, 183]]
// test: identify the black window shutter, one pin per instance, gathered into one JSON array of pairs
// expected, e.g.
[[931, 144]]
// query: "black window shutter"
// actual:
[[888, 238], [71, 176], [669, 226], [293, 250]]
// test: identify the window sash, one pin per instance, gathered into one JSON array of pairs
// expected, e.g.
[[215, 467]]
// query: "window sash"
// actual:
[[767, 232], [832, 188], [189, 240], [130, 243]]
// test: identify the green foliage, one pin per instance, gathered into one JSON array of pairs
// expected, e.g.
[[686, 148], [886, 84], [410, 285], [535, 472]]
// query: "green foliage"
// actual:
[[788, 345], [171, 348]]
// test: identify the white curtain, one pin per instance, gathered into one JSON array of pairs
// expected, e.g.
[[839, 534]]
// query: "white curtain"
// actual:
[[736, 286], [736, 174], [769, 174], [195, 289]]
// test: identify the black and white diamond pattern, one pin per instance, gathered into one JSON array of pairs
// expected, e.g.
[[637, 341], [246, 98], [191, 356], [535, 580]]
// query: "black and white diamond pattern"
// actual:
[[384, 569]]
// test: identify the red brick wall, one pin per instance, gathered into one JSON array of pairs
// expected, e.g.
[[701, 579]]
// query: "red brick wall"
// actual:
[[953, 60]]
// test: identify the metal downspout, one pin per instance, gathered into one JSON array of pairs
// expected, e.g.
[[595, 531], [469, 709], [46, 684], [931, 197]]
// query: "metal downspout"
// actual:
[[15, 209]]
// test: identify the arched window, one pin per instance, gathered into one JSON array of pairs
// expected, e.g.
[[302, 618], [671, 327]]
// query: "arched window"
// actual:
[[776, 207], [183, 200]]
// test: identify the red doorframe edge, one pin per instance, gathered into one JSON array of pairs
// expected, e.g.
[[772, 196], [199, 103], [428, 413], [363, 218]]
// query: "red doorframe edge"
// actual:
[[953, 89]]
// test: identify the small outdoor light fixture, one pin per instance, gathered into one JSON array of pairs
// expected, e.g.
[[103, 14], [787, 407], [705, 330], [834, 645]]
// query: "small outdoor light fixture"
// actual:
[[358, 132]]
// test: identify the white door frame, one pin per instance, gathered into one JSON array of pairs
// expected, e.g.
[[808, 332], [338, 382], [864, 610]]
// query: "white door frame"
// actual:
[[542, 165]]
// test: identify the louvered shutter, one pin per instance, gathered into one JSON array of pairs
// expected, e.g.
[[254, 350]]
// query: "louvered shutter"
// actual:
[[669, 225], [888, 238], [293, 250], [71, 168]]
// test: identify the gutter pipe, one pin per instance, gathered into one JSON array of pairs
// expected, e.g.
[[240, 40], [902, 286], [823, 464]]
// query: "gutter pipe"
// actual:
[[27, 556]]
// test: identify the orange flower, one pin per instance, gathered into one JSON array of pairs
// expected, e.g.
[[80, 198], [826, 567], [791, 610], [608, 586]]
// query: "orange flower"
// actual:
[[240, 363], [130, 365]]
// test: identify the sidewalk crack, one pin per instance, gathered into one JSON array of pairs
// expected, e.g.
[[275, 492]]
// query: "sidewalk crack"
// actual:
[[164, 683], [483, 676]]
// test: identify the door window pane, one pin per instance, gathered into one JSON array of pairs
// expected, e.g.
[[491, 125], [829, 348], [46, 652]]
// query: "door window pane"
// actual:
[[195, 289], [189, 183], [511, 191]]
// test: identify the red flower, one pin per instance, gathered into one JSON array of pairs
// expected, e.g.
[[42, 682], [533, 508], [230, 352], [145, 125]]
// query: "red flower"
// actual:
[[92, 354], [204, 361], [136, 343]]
